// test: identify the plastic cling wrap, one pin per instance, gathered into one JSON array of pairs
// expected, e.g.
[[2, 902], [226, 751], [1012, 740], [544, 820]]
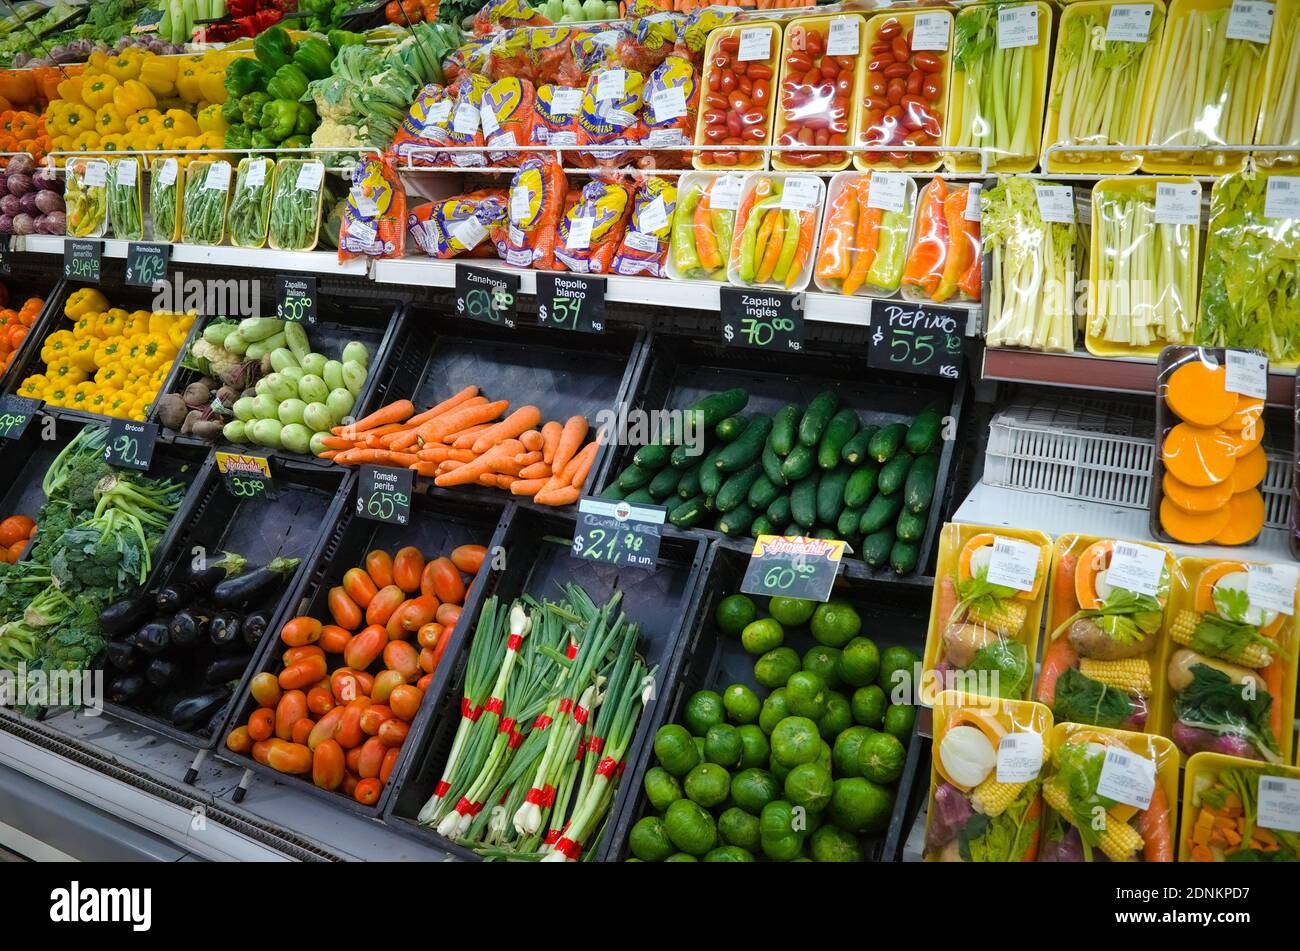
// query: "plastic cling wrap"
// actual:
[[1230, 660], [1230, 811], [250, 206], [943, 261], [738, 57], [1031, 299], [125, 206], [904, 95], [1109, 795], [821, 59], [864, 235], [645, 242], [776, 231], [1279, 118], [165, 190], [670, 109], [1208, 91], [1107, 601], [296, 204], [1250, 285], [86, 197], [703, 224], [986, 779], [1105, 54], [1145, 249], [207, 190], [998, 85], [985, 612]]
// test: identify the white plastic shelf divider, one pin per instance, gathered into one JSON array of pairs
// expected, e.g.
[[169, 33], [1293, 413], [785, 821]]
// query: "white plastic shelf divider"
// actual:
[[309, 262]]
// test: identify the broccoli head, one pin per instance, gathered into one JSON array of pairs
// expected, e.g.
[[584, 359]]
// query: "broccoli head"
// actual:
[[90, 559]]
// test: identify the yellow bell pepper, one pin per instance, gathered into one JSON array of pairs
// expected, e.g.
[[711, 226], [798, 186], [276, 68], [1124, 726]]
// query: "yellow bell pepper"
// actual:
[[83, 354], [69, 118], [86, 142], [98, 91], [84, 326], [177, 334], [114, 143], [57, 346], [56, 393], [109, 120], [137, 322], [144, 122], [97, 64], [80, 396], [207, 141], [98, 402], [109, 324], [211, 120], [134, 96], [212, 85], [110, 375], [84, 300], [119, 404], [159, 74], [33, 386], [189, 79], [179, 122], [63, 373], [157, 351], [125, 66], [70, 89]]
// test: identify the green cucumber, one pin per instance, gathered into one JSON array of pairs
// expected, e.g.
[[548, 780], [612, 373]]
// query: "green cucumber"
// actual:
[[747, 447], [730, 428], [710, 475], [903, 557], [785, 429], [830, 495], [761, 525], [861, 485], [716, 407], [793, 528], [641, 496], [634, 477], [923, 434], [839, 431], [847, 523], [880, 511], [893, 474], [797, 464], [910, 526], [737, 521], [654, 456], [886, 442], [772, 465], [736, 489], [855, 450], [612, 491], [688, 486], [779, 510], [664, 483], [686, 455], [876, 546], [826, 533], [817, 417], [919, 488], [803, 501], [761, 493], [689, 513]]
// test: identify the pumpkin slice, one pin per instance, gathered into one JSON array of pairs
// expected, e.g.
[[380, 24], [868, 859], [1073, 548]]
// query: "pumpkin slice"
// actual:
[[1244, 441], [1248, 408], [1198, 500], [1197, 455], [1249, 471], [1245, 518], [1210, 576], [1196, 392], [1095, 559], [967, 563], [1192, 529]]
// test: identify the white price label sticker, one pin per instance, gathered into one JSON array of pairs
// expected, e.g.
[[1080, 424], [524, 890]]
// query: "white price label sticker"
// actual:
[[521, 203], [124, 171], [1020, 757], [255, 175], [1247, 373], [365, 206], [801, 193], [842, 39], [362, 230], [469, 232], [1014, 563], [1251, 20], [654, 215], [930, 32], [1056, 203], [887, 191], [1279, 803], [1129, 23], [437, 115], [465, 121], [487, 118], [669, 103], [1271, 587], [218, 176], [1178, 203], [95, 175], [972, 210], [565, 102], [167, 172], [310, 176], [1017, 26], [1127, 777], [1136, 568], [579, 238], [755, 43], [610, 84], [1282, 197], [725, 193]]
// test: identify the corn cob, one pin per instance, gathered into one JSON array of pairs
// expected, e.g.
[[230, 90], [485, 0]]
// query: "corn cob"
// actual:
[[1118, 840], [991, 798], [1132, 675], [1252, 655], [1007, 619]]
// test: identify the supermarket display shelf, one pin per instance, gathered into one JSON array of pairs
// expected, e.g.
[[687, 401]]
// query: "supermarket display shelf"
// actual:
[[1087, 372], [309, 262]]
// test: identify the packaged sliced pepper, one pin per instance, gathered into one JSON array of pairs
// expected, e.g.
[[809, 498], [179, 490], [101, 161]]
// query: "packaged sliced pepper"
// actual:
[[590, 232], [1226, 796], [864, 238], [943, 261], [1107, 610], [536, 201], [165, 199], [776, 231], [507, 119], [671, 100], [250, 206], [703, 225], [424, 127], [125, 207], [374, 219], [610, 117], [1109, 795], [86, 197], [207, 191], [645, 243]]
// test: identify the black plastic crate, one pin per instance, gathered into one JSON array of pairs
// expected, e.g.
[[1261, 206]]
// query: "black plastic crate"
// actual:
[[660, 602], [436, 527], [891, 615], [31, 276], [562, 373], [675, 374], [346, 311], [293, 522]]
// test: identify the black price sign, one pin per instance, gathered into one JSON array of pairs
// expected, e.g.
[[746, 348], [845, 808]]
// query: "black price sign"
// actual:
[[81, 259], [130, 444], [763, 320], [245, 477], [618, 533], [489, 296], [916, 338], [4, 254], [15, 413], [146, 263], [793, 567], [295, 298], [571, 302], [384, 495]]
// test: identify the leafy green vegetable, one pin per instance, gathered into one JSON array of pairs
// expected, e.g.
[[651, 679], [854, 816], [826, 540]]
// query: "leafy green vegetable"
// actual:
[[1004, 838], [1080, 699], [1078, 767], [1214, 703], [1221, 637], [979, 593], [1009, 662]]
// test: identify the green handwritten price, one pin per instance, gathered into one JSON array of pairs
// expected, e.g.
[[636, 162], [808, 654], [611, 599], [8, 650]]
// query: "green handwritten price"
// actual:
[[124, 448], [562, 313], [761, 333], [385, 505], [82, 267], [11, 421], [146, 270], [783, 577], [295, 308], [245, 487]]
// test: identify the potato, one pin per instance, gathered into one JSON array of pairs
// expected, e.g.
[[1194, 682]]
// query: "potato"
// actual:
[[1089, 640]]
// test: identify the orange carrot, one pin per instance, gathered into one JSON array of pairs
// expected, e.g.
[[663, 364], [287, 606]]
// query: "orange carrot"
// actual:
[[581, 465], [329, 454], [516, 424], [487, 462], [338, 442], [466, 438], [528, 458], [382, 457], [474, 410], [1154, 826], [395, 412], [469, 393], [427, 469], [532, 440], [566, 495], [574, 432], [538, 470], [505, 481], [527, 486], [550, 439]]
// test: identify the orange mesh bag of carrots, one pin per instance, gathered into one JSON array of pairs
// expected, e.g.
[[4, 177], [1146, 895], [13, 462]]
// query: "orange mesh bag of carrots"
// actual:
[[537, 193], [671, 99], [507, 118], [943, 261], [374, 219], [610, 117], [548, 49], [644, 247], [590, 232], [555, 119], [460, 226], [496, 16], [423, 128]]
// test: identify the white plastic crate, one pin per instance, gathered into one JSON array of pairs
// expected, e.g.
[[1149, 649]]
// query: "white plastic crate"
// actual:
[[1096, 451]]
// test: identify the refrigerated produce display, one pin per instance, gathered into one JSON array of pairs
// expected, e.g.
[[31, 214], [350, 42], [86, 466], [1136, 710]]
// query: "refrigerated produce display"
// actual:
[[650, 431]]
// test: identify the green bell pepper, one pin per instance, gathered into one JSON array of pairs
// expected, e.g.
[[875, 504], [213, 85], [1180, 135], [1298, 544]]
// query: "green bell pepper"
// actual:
[[251, 106], [274, 48], [245, 75], [279, 117], [341, 38], [230, 111], [306, 121], [237, 137], [260, 140], [289, 82], [314, 57]]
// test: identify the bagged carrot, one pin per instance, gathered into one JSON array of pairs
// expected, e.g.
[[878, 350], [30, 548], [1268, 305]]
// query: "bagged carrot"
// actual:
[[507, 118], [591, 231], [610, 117], [374, 218], [423, 128], [461, 225], [555, 116], [645, 243], [537, 193], [672, 96]]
